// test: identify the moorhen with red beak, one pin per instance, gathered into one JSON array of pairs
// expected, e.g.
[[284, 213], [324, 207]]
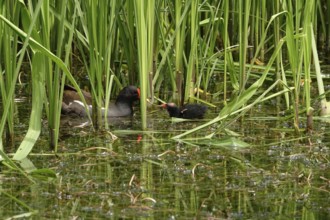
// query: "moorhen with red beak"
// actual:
[[188, 111], [72, 104]]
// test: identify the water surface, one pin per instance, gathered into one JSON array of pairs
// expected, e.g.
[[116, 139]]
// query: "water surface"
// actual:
[[258, 168]]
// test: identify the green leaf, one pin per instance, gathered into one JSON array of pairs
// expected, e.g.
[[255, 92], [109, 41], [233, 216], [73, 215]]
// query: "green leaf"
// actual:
[[229, 143], [11, 165], [38, 92], [43, 174]]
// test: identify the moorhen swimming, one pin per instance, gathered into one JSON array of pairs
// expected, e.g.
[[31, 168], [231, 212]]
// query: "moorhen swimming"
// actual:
[[72, 104], [188, 111]]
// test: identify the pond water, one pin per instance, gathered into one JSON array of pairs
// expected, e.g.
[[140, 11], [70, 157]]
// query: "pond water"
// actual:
[[258, 168]]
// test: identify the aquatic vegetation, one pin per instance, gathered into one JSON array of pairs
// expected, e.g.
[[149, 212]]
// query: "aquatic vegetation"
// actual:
[[232, 56]]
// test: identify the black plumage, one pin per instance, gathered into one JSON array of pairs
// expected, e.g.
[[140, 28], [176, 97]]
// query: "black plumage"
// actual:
[[188, 111]]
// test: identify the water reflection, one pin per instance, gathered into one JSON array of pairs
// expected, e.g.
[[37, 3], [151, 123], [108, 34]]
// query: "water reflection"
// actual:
[[148, 175]]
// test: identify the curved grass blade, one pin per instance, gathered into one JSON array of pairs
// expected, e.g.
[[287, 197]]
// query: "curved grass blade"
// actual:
[[10, 164], [37, 46], [15, 75], [38, 93]]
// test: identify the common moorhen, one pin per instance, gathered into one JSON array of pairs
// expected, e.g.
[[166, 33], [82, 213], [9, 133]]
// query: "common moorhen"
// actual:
[[72, 104], [188, 111]]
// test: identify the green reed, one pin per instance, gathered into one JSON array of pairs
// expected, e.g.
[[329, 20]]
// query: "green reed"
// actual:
[[12, 76], [236, 105], [30, 17], [55, 82], [297, 38], [51, 34], [8, 47], [145, 27], [175, 46], [99, 46], [243, 15], [177, 73]]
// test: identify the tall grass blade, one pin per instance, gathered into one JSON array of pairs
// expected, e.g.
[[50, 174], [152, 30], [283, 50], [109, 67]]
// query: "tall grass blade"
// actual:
[[38, 93], [8, 53], [97, 49], [325, 105], [15, 75], [36, 46], [240, 100], [145, 34]]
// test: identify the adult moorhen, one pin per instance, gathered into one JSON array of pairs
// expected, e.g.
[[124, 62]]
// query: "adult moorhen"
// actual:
[[188, 111], [72, 104]]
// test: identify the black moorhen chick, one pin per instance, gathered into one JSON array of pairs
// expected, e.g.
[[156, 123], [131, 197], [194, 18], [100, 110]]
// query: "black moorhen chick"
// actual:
[[72, 104], [188, 111]]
